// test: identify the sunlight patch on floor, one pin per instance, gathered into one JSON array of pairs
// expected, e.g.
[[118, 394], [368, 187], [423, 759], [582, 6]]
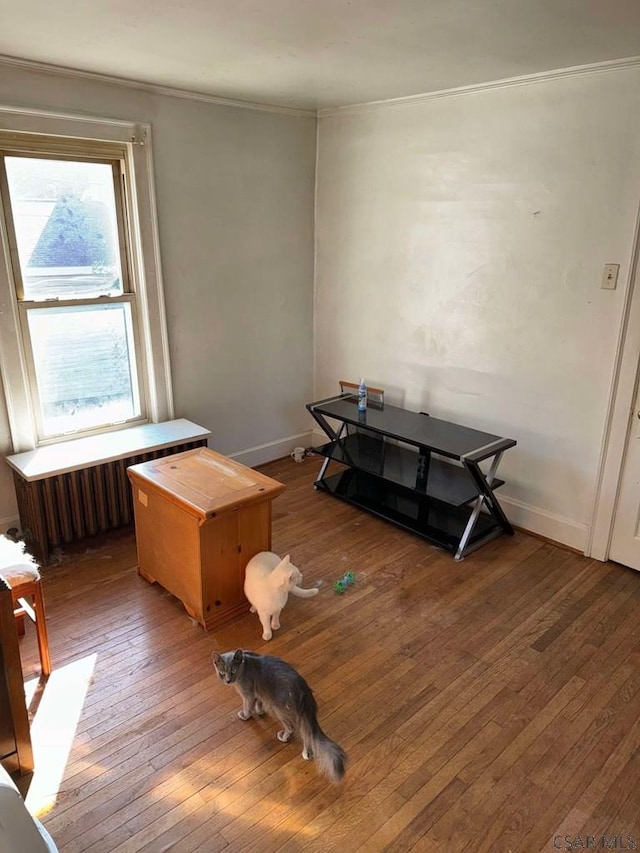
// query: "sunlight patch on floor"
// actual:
[[53, 729], [276, 813]]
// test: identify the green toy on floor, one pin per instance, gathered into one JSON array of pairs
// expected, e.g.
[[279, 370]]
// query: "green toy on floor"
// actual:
[[347, 580]]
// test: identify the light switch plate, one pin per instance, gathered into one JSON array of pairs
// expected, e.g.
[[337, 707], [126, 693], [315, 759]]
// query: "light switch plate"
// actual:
[[610, 276]]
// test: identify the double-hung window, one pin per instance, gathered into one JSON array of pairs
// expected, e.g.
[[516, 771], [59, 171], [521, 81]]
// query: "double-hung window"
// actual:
[[88, 328]]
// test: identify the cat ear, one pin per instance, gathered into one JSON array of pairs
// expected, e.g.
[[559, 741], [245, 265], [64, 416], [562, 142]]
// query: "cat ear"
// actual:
[[287, 579], [237, 656], [283, 565]]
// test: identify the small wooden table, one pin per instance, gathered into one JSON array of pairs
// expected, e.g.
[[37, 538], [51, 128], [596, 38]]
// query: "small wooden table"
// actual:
[[199, 518]]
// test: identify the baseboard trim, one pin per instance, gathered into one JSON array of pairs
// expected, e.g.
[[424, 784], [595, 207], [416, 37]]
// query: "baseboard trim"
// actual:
[[262, 453], [553, 542], [550, 526]]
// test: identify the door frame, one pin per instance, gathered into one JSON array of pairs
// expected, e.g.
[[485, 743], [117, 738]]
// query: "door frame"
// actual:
[[620, 409]]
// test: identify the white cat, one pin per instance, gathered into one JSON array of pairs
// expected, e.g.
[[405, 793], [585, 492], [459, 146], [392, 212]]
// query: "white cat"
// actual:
[[268, 581]]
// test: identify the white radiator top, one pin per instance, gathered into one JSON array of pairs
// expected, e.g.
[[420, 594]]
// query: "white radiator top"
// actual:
[[79, 453]]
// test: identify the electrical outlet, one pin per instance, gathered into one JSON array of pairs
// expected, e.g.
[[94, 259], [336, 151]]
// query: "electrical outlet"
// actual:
[[610, 276]]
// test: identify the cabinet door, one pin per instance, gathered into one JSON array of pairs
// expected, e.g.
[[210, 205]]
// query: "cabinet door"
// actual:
[[228, 543], [168, 544]]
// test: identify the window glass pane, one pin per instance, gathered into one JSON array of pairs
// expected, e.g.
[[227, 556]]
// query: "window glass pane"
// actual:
[[85, 366], [64, 215]]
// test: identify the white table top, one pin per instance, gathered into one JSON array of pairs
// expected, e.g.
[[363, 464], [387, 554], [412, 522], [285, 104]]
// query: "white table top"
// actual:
[[79, 453]]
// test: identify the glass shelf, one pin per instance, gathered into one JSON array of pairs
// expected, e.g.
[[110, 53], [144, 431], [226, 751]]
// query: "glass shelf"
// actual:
[[443, 525], [444, 481]]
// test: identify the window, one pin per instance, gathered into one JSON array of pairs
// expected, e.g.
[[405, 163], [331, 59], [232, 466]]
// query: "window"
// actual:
[[88, 326], [69, 251]]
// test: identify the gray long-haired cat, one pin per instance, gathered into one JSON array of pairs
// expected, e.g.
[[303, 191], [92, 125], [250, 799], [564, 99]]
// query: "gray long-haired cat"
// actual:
[[270, 684]]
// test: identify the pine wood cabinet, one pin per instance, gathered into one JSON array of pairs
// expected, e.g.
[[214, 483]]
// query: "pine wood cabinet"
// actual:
[[199, 519]]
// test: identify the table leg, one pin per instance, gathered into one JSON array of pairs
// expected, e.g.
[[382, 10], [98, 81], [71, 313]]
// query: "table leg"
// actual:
[[484, 485]]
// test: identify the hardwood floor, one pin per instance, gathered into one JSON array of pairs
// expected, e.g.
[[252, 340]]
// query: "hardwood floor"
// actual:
[[486, 705]]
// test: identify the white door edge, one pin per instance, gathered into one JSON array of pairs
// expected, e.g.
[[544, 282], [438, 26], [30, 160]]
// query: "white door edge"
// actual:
[[622, 393]]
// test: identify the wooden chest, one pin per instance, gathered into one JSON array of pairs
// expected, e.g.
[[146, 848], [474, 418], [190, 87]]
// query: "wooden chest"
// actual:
[[199, 518]]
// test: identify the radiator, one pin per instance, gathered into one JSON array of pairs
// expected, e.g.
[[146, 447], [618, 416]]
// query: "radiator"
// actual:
[[68, 507]]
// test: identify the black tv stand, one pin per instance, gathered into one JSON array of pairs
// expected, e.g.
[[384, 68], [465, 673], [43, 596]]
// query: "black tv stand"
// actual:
[[420, 472]]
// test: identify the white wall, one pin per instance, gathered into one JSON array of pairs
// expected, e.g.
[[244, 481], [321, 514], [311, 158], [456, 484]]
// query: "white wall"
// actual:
[[460, 242], [459, 248], [235, 194]]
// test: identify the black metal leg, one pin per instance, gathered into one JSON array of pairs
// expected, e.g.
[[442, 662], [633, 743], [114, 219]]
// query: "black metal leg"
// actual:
[[486, 496], [332, 434], [484, 485]]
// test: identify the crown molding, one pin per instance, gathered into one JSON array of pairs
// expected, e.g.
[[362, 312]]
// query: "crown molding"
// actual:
[[27, 113], [524, 80], [169, 91], [326, 112]]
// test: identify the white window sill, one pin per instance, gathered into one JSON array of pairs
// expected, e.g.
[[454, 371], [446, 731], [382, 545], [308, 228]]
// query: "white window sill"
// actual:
[[79, 453]]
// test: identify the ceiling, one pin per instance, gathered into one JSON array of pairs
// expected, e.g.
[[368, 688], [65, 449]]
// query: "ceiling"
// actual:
[[311, 54]]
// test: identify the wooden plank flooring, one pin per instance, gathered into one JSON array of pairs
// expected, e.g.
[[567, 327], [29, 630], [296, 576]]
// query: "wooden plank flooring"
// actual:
[[486, 705]]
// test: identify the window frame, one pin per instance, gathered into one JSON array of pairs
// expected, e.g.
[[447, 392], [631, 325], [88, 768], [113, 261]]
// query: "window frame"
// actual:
[[124, 299], [69, 136]]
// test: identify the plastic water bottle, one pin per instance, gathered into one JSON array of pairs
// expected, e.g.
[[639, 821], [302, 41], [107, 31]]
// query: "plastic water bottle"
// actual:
[[362, 397]]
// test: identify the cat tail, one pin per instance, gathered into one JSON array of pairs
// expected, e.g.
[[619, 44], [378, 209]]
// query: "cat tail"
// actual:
[[304, 593], [330, 756]]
